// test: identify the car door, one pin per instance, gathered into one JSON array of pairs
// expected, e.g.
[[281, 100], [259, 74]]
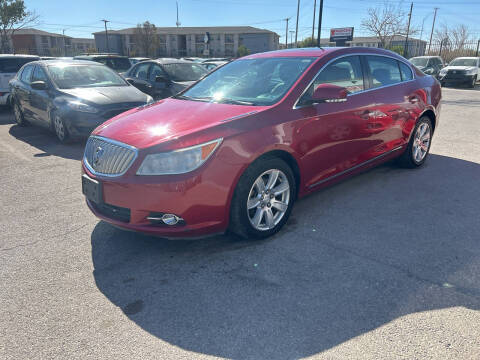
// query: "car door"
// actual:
[[138, 77], [398, 102], [161, 89], [40, 99], [22, 91], [334, 136]]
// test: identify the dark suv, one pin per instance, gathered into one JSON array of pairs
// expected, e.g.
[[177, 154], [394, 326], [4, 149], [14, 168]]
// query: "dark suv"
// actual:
[[115, 62]]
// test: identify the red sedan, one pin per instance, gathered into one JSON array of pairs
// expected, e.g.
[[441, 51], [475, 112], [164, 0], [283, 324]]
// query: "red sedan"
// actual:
[[235, 150]]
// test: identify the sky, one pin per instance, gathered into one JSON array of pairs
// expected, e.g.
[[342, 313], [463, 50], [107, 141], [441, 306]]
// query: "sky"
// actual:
[[82, 18]]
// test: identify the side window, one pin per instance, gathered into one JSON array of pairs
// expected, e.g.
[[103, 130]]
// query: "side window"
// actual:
[[345, 72], [141, 71], [384, 70], [406, 72], [26, 74], [39, 74], [157, 71]]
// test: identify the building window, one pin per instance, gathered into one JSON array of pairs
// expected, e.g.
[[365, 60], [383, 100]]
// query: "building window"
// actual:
[[44, 40], [229, 50], [228, 38]]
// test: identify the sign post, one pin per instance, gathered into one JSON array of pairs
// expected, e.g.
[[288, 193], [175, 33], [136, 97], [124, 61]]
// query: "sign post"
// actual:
[[341, 35]]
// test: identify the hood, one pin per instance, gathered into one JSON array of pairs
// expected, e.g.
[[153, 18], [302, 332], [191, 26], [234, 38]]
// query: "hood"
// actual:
[[169, 119], [108, 95], [460, 67]]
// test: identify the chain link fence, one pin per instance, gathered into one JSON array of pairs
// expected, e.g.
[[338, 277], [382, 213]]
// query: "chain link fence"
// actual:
[[449, 51]]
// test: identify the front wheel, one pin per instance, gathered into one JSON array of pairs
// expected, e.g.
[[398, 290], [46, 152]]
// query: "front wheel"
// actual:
[[60, 129], [419, 145], [263, 199], [473, 82], [17, 112]]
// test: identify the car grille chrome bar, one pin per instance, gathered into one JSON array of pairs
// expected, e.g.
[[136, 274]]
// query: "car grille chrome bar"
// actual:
[[108, 157]]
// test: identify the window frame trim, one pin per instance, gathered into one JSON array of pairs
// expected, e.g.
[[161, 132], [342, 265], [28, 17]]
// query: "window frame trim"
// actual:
[[363, 61]]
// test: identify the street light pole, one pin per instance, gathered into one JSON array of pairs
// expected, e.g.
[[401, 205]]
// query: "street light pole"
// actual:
[[286, 34], [296, 28], [106, 34], [433, 26], [320, 13], [314, 13], [405, 48]]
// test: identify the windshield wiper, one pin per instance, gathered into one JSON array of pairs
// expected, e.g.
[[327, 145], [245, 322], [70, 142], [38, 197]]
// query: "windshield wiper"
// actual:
[[185, 97], [236, 102]]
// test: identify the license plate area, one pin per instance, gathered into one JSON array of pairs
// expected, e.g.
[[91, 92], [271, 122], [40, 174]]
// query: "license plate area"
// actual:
[[92, 189]]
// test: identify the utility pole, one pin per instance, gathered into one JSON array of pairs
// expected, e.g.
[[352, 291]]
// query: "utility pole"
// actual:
[[405, 48], [106, 34], [433, 26], [178, 22], [291, 41], [296, 28], [314, 13], [320, 13], [286, 34], [64, 44], [478, 45]]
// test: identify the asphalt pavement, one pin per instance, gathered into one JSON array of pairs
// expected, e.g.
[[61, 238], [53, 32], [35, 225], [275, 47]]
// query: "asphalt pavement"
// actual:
[[385, 265]]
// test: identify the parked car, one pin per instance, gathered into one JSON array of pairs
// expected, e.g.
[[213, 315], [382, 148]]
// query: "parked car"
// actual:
[[162, 78], [462, 70], [193, 59], [134, 60], [120, 64], [235, 150], [9, 65], [210, 65], [71, 98], [215, 59], [430, 65]]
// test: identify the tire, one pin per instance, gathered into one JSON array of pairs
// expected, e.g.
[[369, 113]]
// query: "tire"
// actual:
[[268, 212], [415, 154], [442, 83], [473, 82], [60, 129], [18, 113]]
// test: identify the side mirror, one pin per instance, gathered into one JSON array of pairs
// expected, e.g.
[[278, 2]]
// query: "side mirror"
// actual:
[[39, 85], [429, 71], [130, 81], [161, 79], [329, 93]]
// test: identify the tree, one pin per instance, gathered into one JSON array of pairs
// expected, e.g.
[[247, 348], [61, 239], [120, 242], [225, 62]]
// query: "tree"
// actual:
[[307, 42], [146, 39], [13, 16], [242, 51], [453, 37], [387, 22]]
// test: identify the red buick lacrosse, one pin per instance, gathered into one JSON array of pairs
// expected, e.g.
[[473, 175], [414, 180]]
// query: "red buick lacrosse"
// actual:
[[235, 150]]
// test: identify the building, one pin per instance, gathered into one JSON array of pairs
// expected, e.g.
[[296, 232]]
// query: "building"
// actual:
[[43, 43], [222, 41], [416, 47]]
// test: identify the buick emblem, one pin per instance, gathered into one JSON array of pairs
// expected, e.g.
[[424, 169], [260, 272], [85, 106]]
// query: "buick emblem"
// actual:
[[97, 155], [454, 71]]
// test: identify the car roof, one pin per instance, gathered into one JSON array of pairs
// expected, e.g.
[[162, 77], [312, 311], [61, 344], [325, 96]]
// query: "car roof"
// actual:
[[93, 56], [323, 51], [425, 56], [466, 57], [171, 61], [65, 62], [19, 56]]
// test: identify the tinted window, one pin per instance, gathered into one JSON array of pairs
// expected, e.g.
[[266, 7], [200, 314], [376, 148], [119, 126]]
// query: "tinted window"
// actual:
[[84, 76], [117, 64], [156, 71], [384, 70], [419, 61], [26, 73], [463, 62], [406, 72], [345, 72], [260, 81], [39, 74], [141, 71], [185, 71], [12, 65]]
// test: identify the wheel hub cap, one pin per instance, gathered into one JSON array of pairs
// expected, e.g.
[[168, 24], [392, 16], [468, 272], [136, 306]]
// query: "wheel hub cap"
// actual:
[[421, 142]]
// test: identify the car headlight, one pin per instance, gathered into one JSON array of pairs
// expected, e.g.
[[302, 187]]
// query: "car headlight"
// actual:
[[149, 99], [471, 72], [443, 71], [179, 161], [79, 106]]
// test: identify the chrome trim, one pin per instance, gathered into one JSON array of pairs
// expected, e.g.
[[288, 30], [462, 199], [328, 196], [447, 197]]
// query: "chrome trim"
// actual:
[[355, 167], [114, 142], [358, 92]]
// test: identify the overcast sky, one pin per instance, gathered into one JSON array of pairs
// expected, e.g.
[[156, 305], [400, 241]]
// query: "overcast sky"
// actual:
[[81, 18]]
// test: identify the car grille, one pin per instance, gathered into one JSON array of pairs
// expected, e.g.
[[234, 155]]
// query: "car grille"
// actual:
[[113, 212], [114, 112], [107, 157]]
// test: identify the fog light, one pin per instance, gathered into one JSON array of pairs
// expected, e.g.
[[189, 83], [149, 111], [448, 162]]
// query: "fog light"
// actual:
[[167, 219]]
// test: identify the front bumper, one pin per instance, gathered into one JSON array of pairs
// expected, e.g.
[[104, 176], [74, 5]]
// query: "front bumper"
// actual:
[[456, 79], [201, 199]]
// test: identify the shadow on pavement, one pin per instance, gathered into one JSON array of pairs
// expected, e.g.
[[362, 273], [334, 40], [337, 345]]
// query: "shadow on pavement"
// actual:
[[355, 256], [47, 143]]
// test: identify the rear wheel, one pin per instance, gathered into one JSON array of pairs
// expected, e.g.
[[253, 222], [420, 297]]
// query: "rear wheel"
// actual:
[[419, 144], [473, 82], [17, 112], [263, 199], [60, 129]]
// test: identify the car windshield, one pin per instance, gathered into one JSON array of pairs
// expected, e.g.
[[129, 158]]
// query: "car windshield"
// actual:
[[419, 61], [12, 65], [261, 81], [184, 71], [118, 64], [464, 62], [84, 76]]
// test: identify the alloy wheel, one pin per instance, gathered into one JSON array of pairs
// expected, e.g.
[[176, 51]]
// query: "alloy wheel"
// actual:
[[18, 114], [421, 142], [59, 128], [268, 200]]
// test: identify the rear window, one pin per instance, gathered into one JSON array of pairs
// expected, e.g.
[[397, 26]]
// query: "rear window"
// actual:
[[117, 64], [406, 72], [12, 65]]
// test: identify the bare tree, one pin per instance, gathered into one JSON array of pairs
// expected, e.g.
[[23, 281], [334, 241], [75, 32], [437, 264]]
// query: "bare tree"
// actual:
[[146, 39], [453, 37], [13, 16], [386, 22]]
